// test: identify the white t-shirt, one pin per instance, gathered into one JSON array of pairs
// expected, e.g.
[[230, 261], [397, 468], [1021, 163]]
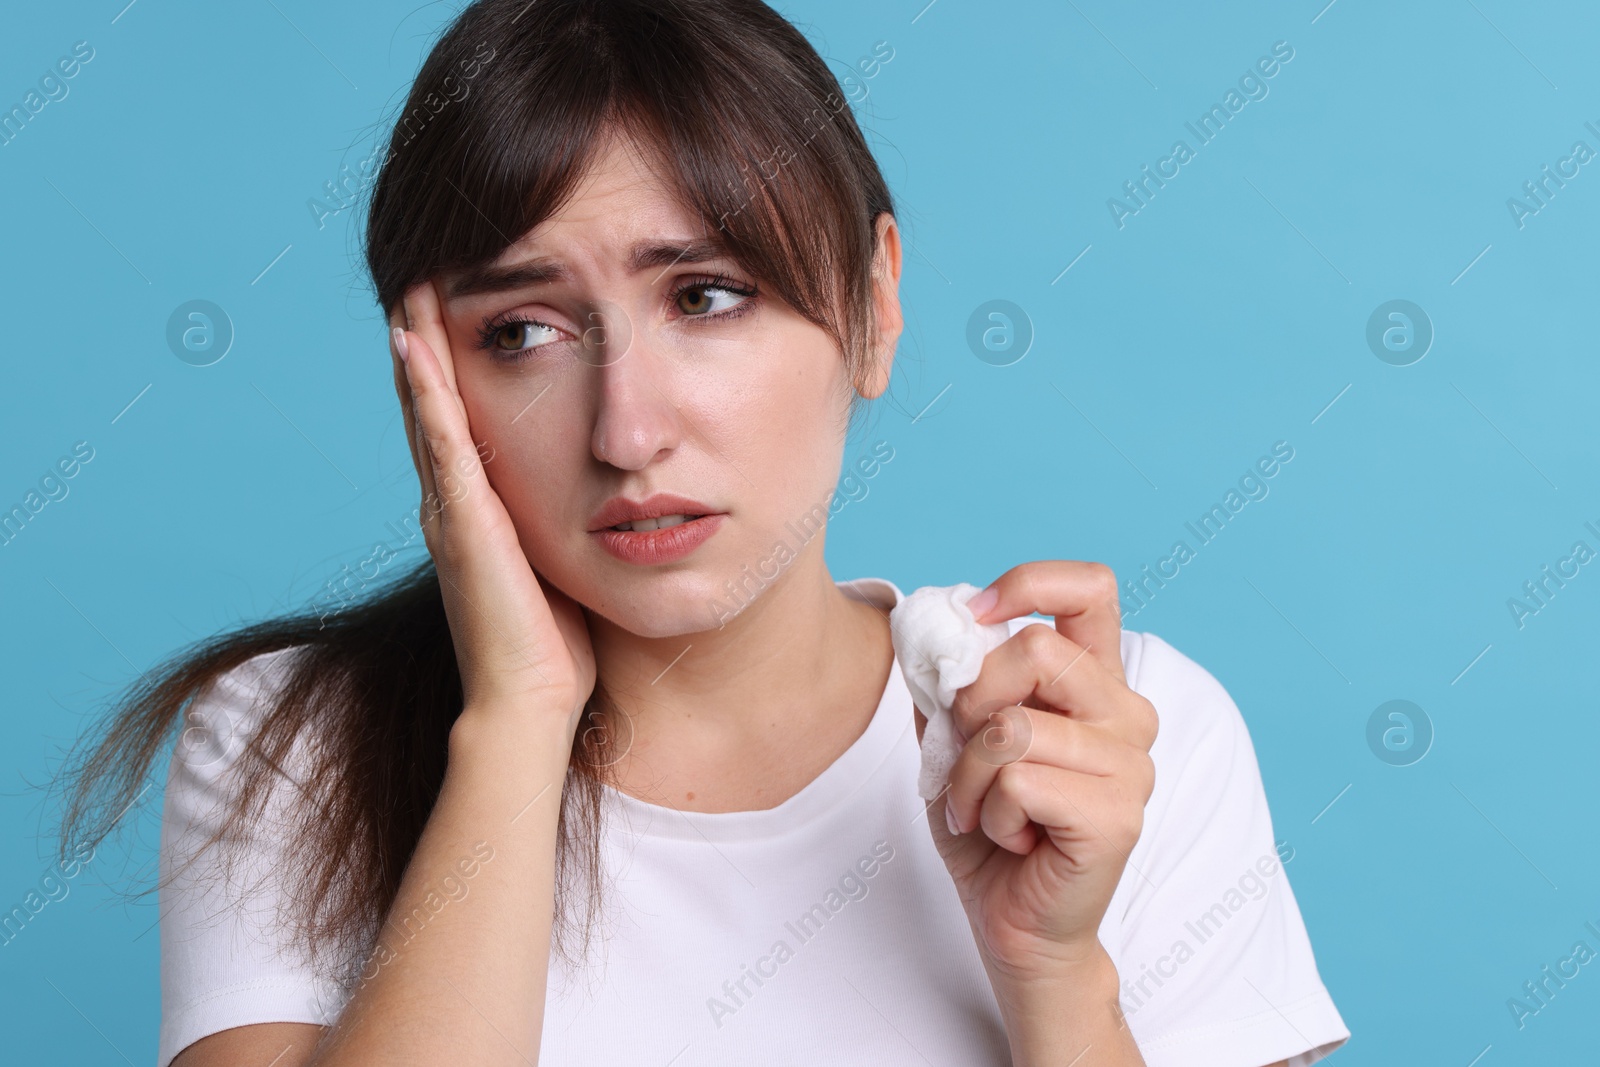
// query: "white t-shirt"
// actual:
[[826, 929]]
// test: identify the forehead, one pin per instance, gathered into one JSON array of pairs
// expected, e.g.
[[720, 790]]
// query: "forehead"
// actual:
[[623, 197], [624, 216]]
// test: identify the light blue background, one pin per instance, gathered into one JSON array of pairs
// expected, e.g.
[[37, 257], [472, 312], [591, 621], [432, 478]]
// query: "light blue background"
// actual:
[[1225, 316]]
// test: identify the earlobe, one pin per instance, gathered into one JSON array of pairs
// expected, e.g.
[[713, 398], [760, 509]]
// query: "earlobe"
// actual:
[[875, 377]]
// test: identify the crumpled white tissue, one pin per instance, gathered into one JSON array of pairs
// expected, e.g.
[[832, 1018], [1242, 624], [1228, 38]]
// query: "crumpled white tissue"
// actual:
[[940, 647]]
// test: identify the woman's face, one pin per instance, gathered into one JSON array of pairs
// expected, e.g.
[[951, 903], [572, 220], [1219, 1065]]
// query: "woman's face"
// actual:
[[625, 368]]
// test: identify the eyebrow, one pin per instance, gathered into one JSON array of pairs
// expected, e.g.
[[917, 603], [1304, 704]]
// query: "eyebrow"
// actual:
[[495, 279]]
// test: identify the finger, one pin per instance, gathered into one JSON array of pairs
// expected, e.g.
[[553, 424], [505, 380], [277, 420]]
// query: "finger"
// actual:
[[1078, 811], [1081, 596], [415, 439], [402, 390], [456, 471], [427, 313], [1039, 667], [1018, 734], [422, 303]]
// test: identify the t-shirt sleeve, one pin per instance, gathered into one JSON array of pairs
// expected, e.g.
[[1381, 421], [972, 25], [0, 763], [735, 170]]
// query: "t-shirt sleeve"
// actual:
[[1216, 966], [227, 955]]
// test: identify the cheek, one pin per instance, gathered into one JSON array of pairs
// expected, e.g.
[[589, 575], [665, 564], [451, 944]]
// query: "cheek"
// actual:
[[778, 407], [773, 412], [534, 449]]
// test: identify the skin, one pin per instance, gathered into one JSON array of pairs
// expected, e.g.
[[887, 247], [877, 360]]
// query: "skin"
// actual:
[[746, 414]]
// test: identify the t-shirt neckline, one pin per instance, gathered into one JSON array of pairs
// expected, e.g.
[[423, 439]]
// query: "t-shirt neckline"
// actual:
[[890, 720]]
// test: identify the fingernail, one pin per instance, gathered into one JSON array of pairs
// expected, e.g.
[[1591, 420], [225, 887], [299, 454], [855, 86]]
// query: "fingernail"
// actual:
[[950, 820], [399, 336], [983, 602]]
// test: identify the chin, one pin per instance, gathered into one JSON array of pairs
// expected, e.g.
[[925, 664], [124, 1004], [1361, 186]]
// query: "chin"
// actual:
[[656, 603]]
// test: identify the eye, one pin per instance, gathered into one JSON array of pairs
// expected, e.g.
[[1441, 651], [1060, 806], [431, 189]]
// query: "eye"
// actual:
[[701, 299], [512, 337], [708, 300]]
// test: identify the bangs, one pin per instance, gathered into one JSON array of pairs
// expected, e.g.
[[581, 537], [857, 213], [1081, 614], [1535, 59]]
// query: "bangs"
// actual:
[[744, 121]]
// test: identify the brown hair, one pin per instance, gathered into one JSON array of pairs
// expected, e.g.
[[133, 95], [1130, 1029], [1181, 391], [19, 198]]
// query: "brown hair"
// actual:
[[499, 126]]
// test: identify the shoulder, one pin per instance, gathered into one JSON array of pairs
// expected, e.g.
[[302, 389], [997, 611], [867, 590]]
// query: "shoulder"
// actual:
[[1195, 709], [231, 898], [1208, 815], [217, 727], [234, 802], [244, 689], [1204, 758], [1204, 917], [229, 708]]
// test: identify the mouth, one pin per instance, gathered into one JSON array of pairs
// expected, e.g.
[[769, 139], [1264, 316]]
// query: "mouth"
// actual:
[[662, 528], [654, 512], [654, 541], [659, 523]]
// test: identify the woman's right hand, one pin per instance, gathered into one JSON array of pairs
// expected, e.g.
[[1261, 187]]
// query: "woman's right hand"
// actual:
[[520, 643]]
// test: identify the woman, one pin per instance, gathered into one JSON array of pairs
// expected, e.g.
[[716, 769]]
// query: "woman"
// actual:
[[640, 266]]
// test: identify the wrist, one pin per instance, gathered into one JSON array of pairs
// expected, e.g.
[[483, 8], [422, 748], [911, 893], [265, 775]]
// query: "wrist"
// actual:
[[1089, 974], [1054, 1017], [539, 741]]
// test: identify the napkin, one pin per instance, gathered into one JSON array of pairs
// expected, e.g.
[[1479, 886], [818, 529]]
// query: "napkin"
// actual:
[[940, 648]]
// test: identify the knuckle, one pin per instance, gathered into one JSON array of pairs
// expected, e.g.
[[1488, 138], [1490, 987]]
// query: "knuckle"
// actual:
[[1038, 641], [438, 546], [1149, 722], [1011, 782], [431, 449], [1102, 579], [1145, 775], [437, 442], [1005, 736], [1103, 587]]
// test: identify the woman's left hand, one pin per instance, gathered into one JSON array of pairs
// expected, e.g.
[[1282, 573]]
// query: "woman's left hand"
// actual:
[[1055, 773]]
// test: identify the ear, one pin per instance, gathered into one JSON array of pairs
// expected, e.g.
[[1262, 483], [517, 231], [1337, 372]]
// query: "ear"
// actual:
[[887, 319]]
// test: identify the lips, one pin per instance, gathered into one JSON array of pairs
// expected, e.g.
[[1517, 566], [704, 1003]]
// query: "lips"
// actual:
[[659, 511], [649, 548], [660, 529]]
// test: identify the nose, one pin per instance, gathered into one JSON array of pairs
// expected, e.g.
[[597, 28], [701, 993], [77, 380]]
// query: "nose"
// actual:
[[636, 418]]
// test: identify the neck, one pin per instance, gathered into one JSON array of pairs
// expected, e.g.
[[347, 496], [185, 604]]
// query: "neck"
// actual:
[[742, 716]]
